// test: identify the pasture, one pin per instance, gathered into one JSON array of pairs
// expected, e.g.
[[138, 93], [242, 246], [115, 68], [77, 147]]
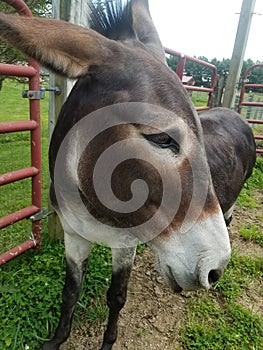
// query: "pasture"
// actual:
[[229, 316]]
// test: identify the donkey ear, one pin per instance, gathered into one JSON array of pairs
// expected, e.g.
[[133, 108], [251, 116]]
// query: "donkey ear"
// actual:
[[145, 29], [65, 48]]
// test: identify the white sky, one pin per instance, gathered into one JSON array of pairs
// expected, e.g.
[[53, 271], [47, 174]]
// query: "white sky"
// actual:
[[206, 27]]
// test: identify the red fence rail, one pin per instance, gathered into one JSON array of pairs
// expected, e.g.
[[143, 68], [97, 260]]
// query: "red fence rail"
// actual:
[[32, 71], [180, 72], [242, 103]]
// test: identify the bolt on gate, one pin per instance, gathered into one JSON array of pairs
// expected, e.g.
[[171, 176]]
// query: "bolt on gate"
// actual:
[[32, 71], [242, 103]]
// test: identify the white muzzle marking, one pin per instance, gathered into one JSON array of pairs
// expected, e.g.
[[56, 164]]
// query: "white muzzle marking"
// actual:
[[196, 258]]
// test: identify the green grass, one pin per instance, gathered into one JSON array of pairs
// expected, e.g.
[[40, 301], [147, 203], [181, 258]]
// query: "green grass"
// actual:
[[252, 233], [199, 99], [31, 285], [230, 327], [30, 289], [12, 92], [15, 155], [218, 319], [248, 198]]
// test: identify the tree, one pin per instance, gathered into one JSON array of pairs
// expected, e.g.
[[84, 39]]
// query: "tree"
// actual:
[[203, 75]]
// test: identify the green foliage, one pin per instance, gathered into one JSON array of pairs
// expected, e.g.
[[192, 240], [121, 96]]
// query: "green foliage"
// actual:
[[252, 233], [31, 287], [141, 248], [238, 276], [142, 332], [203, 75], [216, 320], [247, 199], [12, 93], [199, 99], [230, 327], [27, 307]]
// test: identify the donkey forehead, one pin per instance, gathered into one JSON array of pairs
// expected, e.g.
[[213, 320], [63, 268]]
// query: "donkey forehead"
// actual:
[[136, 118], [145, 113], [137, 76]]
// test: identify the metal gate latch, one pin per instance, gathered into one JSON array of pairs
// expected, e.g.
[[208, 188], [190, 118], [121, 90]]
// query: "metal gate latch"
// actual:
[[43, 214], [33, 95], [40, 95]]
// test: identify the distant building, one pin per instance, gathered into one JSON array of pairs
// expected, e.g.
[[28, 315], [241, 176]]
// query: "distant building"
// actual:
[[188, 80]]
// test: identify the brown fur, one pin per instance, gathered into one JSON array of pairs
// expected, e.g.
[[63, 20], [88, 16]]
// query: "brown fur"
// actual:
[[67, 56]]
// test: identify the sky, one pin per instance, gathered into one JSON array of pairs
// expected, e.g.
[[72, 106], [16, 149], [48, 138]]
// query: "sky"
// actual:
[[206, 27]]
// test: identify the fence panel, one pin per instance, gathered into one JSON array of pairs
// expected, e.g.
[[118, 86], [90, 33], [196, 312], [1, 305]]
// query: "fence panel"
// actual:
[[242, 103], [32, 71], [182, 59]]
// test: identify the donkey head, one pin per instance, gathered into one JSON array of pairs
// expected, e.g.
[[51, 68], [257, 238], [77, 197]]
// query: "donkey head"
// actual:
[[127, 96]]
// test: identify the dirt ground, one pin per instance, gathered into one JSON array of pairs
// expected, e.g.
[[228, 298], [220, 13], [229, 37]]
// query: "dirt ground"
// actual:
[[153, 314]]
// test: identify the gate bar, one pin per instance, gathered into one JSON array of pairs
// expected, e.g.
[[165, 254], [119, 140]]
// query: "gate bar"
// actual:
[[11, 254], [20, 7], [35, 135], [18, 215], [19, 71], [180, 71], [25, 125], [245, 86], [254, 121], [32, 71], [252, 104], [17, 175]]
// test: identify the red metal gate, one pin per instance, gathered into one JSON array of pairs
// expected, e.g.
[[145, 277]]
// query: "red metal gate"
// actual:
[[242, 103], [33, 125], [182, 59]]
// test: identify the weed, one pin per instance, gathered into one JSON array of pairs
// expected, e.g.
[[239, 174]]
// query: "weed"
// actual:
[[240, 272], [142, 331], [27, 307], [216, 327], [31, 287], [247, 198], [252, 233], [216, 320]]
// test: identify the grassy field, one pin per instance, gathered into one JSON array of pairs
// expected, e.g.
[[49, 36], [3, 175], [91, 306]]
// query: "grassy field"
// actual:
[[31, 285], [14, 155]]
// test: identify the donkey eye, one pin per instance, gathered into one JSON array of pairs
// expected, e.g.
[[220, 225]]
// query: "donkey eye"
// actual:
[[163, 140]]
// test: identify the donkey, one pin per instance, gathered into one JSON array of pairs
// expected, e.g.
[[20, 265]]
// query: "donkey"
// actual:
[[127, 156], [231, 154]]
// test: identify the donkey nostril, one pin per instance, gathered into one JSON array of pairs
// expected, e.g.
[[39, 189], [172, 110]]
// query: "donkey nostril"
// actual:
[[214, 276]]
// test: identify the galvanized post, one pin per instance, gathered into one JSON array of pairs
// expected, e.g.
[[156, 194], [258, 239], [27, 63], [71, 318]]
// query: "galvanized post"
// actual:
[[238, 52], [74, 11]]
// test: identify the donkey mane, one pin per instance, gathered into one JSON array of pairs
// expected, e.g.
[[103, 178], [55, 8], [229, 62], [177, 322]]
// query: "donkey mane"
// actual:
[[113, 19]]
